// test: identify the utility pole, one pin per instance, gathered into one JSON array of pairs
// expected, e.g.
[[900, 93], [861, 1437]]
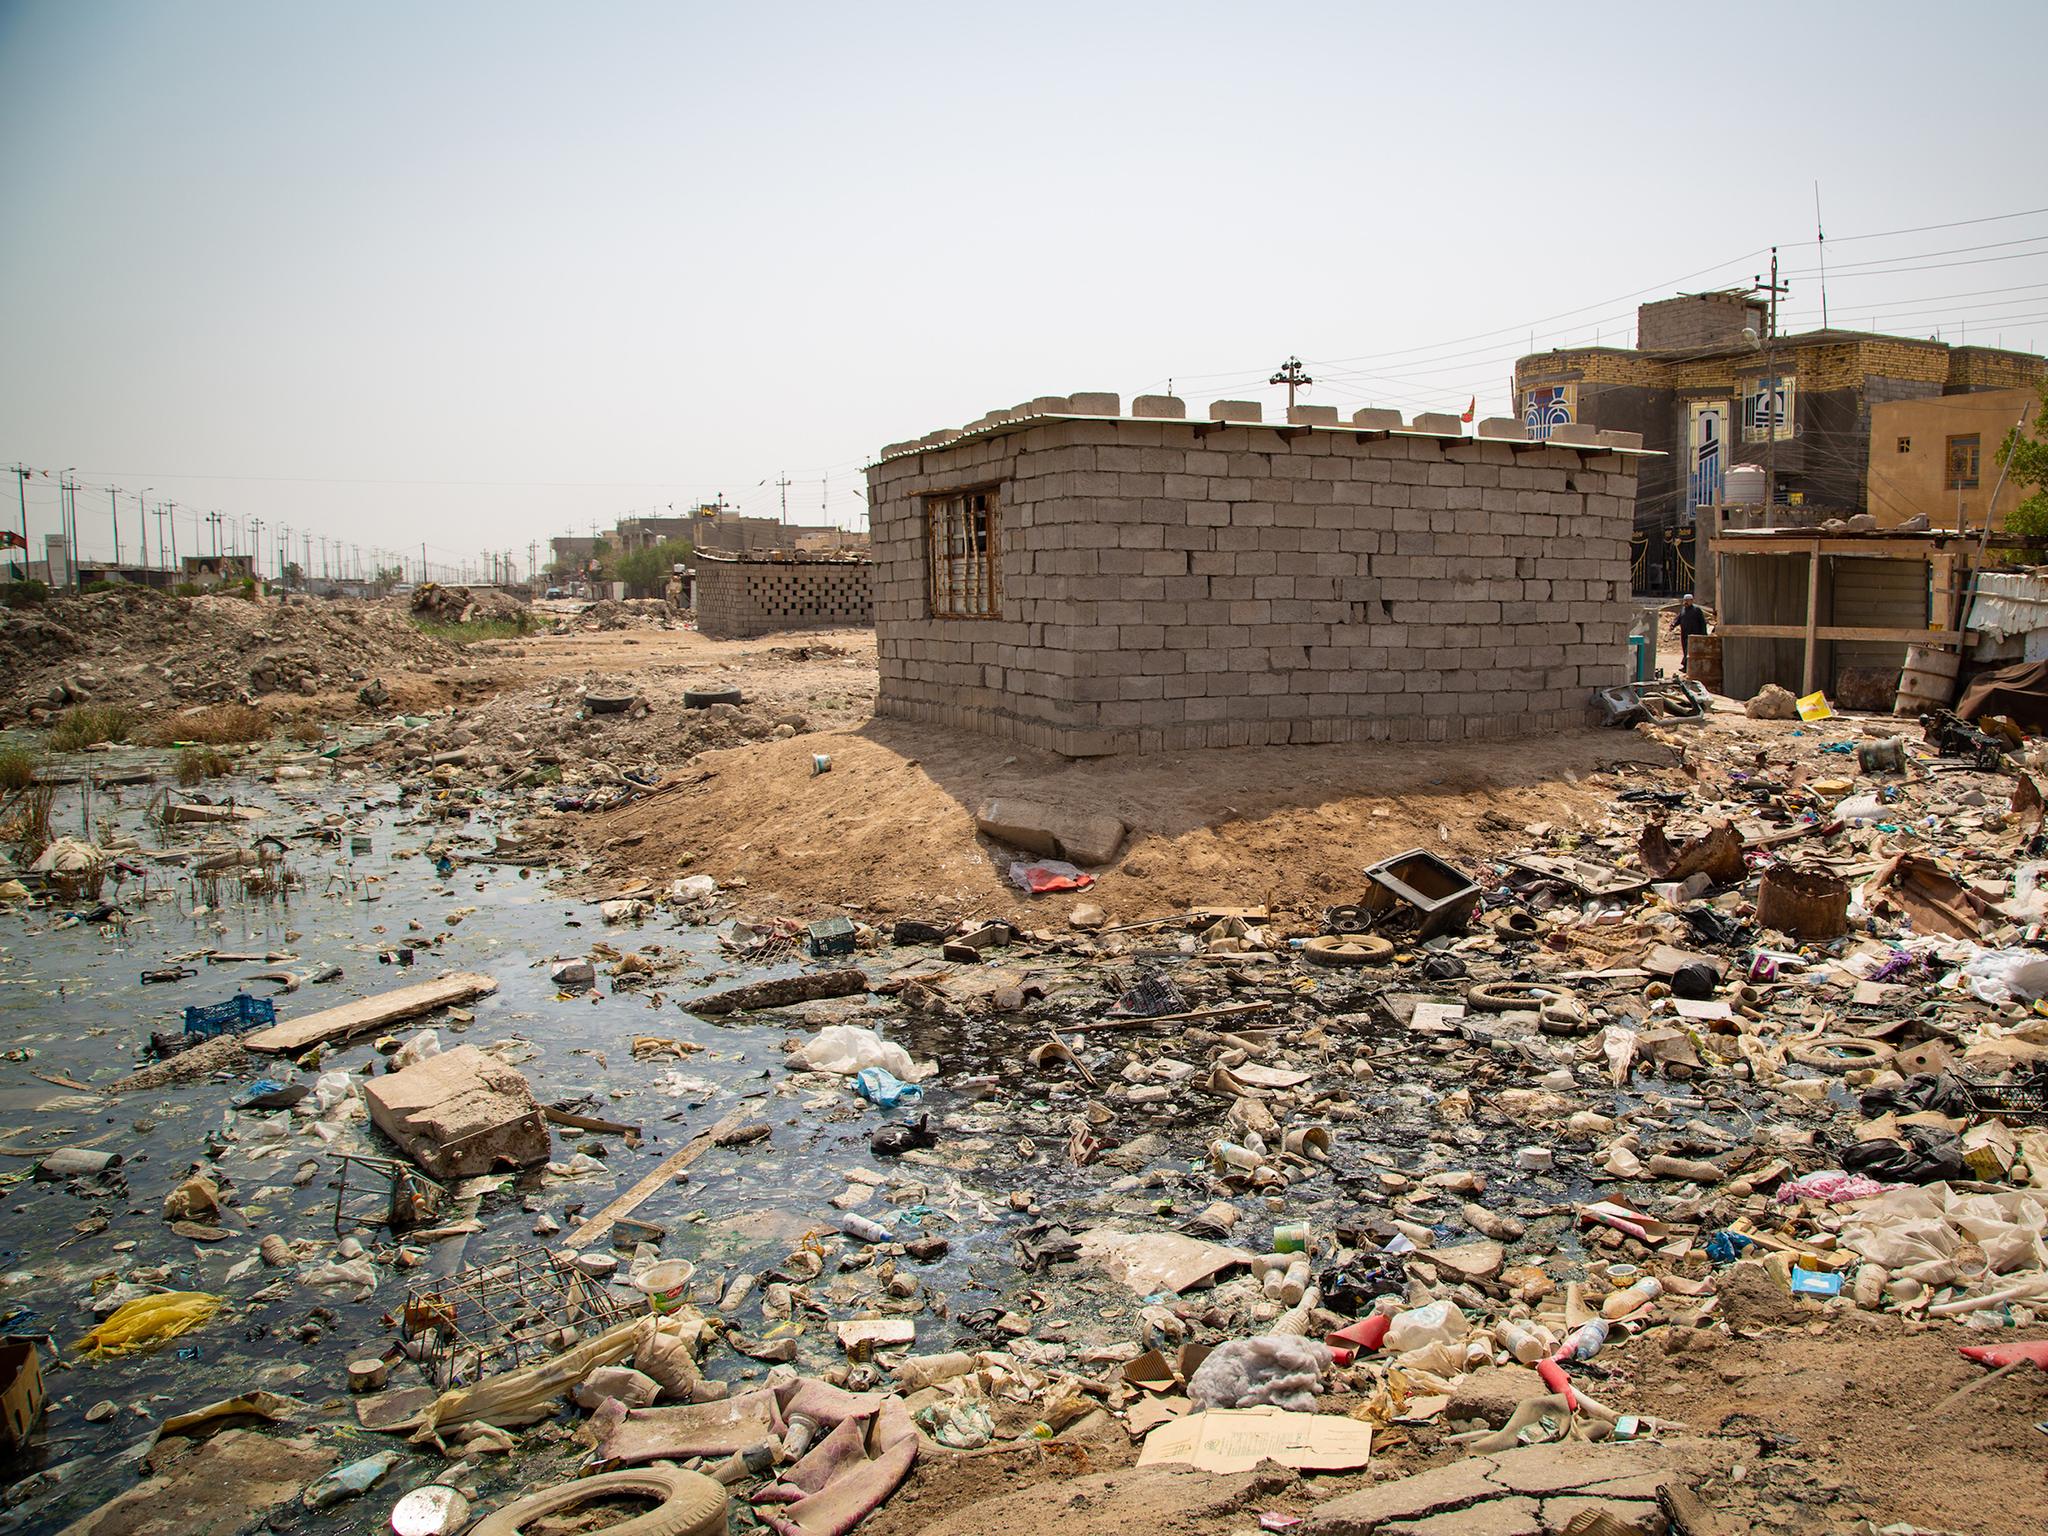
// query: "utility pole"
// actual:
[[782, 485], [169, 508], [21, 490], [213, 523], [1291, 375], [114, 511], [1771, 390], [142, 517], [68, 502]]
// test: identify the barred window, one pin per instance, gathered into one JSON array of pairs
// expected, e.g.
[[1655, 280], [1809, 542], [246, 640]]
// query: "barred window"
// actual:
[[961, 544]]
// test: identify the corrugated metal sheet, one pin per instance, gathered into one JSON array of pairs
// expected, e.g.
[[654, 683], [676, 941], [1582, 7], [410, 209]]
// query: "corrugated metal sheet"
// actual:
[[1876, 594]]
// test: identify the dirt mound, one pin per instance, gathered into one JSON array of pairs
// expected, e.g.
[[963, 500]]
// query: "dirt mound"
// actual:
[[136, 646], [592, 728], [890, 827]]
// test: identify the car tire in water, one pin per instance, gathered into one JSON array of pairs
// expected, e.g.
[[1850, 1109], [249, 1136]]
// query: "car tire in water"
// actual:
[[691, 1504]]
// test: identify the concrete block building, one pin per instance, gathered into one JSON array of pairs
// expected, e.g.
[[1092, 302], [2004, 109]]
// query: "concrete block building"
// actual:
[[1087, 581], [738, 597]]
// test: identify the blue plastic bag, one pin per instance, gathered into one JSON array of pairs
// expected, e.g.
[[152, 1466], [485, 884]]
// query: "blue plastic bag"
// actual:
[[878, 1085]]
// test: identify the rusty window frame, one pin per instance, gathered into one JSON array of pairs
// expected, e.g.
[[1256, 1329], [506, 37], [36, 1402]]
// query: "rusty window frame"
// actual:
[[963, 543]]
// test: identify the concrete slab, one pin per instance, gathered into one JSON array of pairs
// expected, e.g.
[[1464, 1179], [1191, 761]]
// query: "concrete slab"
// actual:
[[1626, 1476], [460, 1113], [1080, 837], [1493, 1393], [1497, 1517]]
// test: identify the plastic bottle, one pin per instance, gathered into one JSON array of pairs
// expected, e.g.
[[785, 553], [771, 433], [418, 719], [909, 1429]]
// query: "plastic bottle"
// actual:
[[921, 1371], [346, 1482], [1526, 1344], [1294, 1282], [1585, 1341], [1641, 1294], [1439, 1322], [797, 1438], [853, 1224]]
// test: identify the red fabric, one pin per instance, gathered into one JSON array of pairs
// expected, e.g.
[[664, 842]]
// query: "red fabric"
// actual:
[[1039, 881], [1471, 410], [2007, 1354]]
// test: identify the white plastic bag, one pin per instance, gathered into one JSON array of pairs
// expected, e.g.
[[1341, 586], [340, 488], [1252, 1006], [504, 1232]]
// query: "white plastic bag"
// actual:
[[1439, 1322], [2001, 976], [847, 1048], [422, 1045]]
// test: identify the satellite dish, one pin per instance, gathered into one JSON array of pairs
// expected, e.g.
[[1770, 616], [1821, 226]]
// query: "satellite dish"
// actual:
[[1749, 337]]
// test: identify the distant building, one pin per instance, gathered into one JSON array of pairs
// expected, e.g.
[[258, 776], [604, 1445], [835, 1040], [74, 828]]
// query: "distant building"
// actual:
[[1704, 390], [634, 533], [1938, 457], [573, 552]]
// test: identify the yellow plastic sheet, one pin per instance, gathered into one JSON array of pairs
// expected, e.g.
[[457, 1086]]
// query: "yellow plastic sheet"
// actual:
[[150, 1320]]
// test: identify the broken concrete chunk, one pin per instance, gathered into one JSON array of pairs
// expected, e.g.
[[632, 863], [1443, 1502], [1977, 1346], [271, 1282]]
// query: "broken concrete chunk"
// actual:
[[460, 1113], [572, 973], [1081, 837]]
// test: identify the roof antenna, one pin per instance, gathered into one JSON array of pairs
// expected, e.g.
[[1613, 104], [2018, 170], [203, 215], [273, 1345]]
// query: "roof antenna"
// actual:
[[1821, 239]]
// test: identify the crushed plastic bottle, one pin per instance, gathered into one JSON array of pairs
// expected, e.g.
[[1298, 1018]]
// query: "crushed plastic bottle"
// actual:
[[346, 1482]]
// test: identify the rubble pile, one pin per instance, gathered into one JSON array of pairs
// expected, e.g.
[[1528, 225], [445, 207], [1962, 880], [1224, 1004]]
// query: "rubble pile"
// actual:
[[594, 730], [463, 605], [609, 613], [136, 646]]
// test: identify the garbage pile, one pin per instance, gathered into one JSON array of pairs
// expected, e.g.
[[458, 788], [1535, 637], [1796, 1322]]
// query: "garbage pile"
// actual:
[[136, 646], [1425, 1173]]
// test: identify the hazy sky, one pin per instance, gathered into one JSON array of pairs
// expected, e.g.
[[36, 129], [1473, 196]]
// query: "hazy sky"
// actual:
[[475, 274]]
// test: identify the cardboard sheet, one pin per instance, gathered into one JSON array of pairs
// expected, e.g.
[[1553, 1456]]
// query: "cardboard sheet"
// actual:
[[1238, 1439]]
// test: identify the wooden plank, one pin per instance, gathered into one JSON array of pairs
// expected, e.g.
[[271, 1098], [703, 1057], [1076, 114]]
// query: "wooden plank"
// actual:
[[1902, 636], [1781, 544], [663, 1172], [347, 1020], [1812, 620]]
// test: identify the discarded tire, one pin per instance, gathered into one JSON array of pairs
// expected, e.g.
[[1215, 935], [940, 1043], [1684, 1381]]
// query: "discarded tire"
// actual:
[[691, 1504], [1347, 949], [704, 698], [1842, 1053], [1510, 996]]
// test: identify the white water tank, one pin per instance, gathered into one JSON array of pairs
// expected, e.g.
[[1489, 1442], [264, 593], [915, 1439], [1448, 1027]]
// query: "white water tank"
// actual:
[[1745, 485]]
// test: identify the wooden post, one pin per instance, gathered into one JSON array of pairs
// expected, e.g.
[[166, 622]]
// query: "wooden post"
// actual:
[[1812, 618]]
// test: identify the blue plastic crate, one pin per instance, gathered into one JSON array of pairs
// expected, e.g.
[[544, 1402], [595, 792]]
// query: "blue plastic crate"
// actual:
[[238, 1013]]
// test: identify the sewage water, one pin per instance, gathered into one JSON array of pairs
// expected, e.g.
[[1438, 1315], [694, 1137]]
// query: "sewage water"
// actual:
[[73, 1005]]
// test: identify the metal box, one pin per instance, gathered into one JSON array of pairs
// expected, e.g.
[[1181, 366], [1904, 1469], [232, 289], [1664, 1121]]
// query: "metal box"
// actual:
[[833, 936], [1440, 893]]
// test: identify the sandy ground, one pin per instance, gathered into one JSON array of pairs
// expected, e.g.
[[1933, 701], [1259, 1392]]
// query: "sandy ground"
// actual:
[[1795, 1428], [890, 828]]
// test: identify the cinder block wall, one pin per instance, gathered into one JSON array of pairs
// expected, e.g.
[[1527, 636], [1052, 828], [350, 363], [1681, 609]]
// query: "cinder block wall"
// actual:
[[1169, 583], [740, 598]]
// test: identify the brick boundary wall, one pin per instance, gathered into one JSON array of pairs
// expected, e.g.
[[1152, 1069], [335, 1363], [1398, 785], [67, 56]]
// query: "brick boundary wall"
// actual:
[[737, 599], [1168, 583]]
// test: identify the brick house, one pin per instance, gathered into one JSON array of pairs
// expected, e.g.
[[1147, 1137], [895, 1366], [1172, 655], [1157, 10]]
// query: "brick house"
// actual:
[[1089, 582], [1704, 391]]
